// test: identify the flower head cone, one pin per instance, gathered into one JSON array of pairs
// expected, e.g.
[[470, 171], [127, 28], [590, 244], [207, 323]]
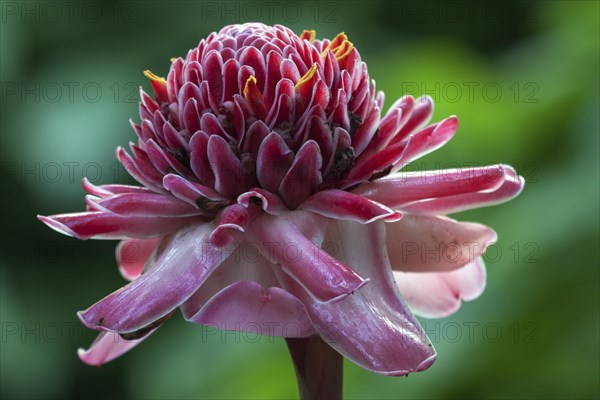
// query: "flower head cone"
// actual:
[[271, 201]]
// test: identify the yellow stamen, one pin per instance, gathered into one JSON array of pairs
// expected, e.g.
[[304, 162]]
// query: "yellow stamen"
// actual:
[[251, 79], [150, 75], [307, 77], [309, 35], [343, 50], [335, 44]]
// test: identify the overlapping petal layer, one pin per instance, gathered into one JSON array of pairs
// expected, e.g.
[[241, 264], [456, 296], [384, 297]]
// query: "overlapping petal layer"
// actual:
[[184, 261], [372, 326]]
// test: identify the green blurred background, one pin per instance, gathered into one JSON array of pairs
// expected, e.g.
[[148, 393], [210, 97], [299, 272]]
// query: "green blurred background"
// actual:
[[521, 76]]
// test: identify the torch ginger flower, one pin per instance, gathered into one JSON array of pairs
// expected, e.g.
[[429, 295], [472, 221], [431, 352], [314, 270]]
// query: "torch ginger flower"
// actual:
[[271, 202]]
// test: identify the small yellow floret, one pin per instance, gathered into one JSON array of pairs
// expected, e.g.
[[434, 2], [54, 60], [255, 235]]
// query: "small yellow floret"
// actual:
[[251, 79], [150, 75], [307, 77], [309, 35]]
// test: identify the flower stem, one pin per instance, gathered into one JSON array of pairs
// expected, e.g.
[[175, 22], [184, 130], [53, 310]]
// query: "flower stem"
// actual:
[[318, 368]]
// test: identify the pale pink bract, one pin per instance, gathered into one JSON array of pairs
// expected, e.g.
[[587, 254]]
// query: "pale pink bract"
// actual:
[[271, 203]]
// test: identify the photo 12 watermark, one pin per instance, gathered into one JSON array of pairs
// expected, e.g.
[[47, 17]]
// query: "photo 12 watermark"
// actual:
[[487, 332], [323, 12], [69, 12], [69, 92], [62, 172], [474, 91]]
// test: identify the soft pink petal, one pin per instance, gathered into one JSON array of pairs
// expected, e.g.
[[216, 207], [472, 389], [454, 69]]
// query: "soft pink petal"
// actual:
[[175, 139], [231, 220], [369, 168], [282, 241], [426, 243], [147, 205], [157, 155], [246, 306], [270, 202], [108, 190], [102, 225], [194, 193], [166, 161], [132, 255], [185, 262], [144, 165], [106, 347], [372, 327], [439, 294], [401, 188], [132, 167], [339, 204], [365, 132], [391, 124], [512, 186], [427, 140], [419, 116], [245, 264], [241, 295]]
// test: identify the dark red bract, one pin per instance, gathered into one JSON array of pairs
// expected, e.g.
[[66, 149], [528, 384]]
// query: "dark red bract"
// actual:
[[253, 104]]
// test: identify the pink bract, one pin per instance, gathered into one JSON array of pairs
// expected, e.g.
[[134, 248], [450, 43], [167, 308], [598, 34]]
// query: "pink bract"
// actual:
[[271, 202]]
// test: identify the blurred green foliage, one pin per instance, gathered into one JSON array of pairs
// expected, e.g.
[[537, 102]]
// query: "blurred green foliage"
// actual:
[[521, 76]]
